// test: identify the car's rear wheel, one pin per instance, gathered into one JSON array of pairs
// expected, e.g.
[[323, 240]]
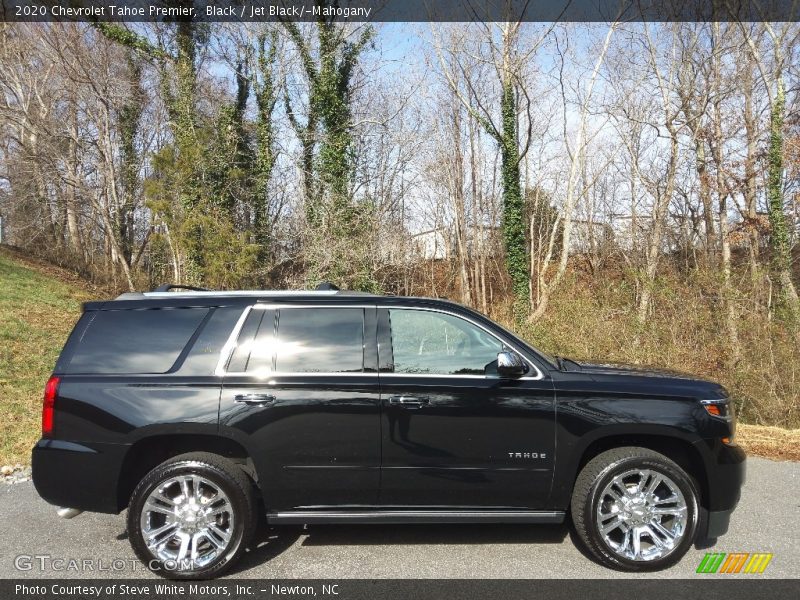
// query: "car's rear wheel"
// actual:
[[635, 509], [192, 516]]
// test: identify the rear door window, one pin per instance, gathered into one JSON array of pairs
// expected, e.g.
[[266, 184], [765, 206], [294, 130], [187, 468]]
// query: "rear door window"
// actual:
[[135, 341], [320, 340], [299, 340]]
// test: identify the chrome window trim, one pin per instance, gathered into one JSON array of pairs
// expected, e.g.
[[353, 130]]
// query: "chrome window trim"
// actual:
[[304, 374], [284, 306], [464, 376], [230, 346]]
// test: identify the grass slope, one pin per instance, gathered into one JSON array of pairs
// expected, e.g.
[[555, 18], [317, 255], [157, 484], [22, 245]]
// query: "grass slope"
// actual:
[[39, 305]]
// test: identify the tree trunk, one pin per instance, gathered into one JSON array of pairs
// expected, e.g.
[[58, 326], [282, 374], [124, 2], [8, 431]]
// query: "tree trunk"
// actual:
[[779, 239], [578, 157], [70, 200], [751, 130], [663, 198], [705, 199], [729, 305], [457, 184], [513, 219]]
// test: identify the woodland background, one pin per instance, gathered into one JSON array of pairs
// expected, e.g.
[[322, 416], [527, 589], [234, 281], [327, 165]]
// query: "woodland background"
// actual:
[[624, 191]]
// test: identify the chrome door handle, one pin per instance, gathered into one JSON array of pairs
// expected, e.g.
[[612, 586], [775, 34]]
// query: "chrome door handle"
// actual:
[[258, 399], [409, 401]]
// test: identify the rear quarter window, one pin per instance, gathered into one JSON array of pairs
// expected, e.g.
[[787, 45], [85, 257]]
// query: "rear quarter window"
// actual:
[[135, 341]]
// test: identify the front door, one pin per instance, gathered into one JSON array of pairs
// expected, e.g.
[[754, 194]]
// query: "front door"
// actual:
[[455, 433], [301, 388]]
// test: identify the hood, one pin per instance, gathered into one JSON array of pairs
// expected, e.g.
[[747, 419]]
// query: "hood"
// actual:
[[627, 377], [621, 369]]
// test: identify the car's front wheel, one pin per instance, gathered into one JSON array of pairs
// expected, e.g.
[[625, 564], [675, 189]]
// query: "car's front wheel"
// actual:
[[192, 516], [635, 509]]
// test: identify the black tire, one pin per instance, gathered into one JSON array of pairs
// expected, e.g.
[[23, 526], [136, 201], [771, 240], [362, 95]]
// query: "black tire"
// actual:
[[589, 486], [222, 473]]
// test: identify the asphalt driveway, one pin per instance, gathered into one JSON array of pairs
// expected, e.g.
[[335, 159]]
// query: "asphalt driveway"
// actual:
[[767, 520]]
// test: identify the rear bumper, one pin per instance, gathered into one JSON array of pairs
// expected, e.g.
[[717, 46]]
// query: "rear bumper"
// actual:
[[78, 476]]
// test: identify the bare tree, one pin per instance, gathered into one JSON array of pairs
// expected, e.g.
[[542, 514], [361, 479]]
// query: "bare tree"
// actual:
[[576, 149], [773, 76]]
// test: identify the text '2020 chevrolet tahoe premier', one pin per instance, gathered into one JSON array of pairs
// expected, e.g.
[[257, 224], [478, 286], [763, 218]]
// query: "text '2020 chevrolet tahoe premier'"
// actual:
[[195, 410]]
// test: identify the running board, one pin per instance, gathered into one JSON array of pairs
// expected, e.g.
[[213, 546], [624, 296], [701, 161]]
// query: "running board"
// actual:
[[397, 517]]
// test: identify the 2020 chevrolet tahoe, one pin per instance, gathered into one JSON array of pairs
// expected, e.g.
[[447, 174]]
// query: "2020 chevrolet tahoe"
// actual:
[[195, 410]]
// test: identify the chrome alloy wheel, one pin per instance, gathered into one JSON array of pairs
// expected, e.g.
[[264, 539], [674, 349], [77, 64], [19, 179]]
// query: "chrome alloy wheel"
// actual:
[[187, 518], [641, 515]]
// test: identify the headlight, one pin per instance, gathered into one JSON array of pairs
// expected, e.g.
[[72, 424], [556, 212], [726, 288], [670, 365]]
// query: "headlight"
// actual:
[[721, 408]]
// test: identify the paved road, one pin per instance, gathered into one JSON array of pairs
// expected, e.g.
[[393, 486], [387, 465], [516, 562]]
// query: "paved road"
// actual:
[[767, 520]]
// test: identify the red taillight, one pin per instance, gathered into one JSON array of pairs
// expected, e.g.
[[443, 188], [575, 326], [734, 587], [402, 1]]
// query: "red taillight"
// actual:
[[48, 408]]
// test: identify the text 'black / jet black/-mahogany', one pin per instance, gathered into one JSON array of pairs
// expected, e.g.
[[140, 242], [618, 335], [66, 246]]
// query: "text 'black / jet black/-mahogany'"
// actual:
[[196, 409]]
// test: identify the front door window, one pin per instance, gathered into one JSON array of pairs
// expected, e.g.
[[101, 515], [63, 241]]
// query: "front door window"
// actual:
[[434, 343]]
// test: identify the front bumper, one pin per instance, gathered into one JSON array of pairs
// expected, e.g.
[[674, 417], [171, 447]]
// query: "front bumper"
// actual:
[[77, 476], [726, 469], [717, 523]]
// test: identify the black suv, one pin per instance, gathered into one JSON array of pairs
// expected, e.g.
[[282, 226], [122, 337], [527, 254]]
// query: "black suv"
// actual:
[[196, 410]]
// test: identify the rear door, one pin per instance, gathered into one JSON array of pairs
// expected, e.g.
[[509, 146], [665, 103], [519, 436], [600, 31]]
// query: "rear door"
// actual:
[[301, 386]]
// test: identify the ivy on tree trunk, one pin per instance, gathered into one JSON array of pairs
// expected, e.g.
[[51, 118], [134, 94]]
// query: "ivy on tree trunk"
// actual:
[[339, 226], [513, 203], [266, 98], [779, 238]]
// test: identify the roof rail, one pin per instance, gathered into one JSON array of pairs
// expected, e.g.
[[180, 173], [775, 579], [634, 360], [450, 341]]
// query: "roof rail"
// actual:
[[176, 286]]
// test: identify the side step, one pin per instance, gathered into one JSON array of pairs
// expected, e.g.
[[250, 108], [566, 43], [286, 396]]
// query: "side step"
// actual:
[[397, 517]]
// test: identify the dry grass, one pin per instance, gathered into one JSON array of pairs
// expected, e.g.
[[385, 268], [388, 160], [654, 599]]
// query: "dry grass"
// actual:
[[769, 442], [594, 319]]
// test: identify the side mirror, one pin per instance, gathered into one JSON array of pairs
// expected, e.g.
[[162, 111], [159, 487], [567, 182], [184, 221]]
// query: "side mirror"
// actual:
[[510, 364]]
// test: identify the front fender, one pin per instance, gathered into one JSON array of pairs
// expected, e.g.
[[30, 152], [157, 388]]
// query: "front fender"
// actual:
[[588, 424]]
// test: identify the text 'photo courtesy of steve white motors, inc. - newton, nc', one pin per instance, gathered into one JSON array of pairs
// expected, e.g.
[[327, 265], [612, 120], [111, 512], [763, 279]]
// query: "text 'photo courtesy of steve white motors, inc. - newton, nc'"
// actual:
[[167, 589]]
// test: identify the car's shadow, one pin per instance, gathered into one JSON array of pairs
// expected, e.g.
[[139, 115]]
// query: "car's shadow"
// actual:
[[699, 544], [476, 534], [267, 543], [270, 542]]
